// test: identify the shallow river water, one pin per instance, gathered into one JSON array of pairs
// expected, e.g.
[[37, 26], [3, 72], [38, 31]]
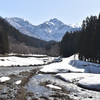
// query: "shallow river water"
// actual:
[[5, 71], [34, 85]]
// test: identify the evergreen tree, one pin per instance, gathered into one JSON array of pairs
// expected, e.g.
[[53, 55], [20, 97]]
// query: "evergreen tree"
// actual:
[[85, 42], [96, 39], [4, 46]]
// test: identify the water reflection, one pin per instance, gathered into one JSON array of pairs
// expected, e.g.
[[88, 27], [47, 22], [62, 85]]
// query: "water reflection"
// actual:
[[34, 85]]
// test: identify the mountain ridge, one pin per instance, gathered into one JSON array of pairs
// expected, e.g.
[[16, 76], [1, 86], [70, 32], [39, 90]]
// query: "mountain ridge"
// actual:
[[53, 29]]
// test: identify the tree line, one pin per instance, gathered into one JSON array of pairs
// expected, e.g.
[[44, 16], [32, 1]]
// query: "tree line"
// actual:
[[85, 42]]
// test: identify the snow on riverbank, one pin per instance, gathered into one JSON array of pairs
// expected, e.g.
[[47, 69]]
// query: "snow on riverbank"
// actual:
[[87, 66], [22, 61], [63, 66], [92, 83], [86, 80], [70, 70], [71, 77]]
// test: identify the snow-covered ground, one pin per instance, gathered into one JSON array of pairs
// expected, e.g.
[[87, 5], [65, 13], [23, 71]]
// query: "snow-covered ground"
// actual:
[[23, 61], [70, 69], [87, 66], [63, 66], [72, 77], [86, 74]]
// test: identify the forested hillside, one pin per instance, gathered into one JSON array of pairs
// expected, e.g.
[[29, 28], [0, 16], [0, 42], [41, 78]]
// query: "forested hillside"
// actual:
[[13, 41], [85, 42]]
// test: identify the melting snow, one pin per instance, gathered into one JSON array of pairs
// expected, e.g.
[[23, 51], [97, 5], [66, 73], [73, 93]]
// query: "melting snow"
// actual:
[[63, 66], [18, 82], [3, 79], [91, 82], [21, 61], [82, 72], [71, 77], [53, 86]]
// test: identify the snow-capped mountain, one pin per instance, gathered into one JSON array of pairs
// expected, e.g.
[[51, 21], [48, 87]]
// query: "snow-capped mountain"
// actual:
[[49, 30], [76, 25]]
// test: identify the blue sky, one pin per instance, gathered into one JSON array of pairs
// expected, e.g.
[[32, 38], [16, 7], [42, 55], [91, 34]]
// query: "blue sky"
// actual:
[[38, 11]]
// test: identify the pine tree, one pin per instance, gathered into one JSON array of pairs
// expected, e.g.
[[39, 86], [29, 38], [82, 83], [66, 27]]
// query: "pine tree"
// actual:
[[97, 40], [4, 46]]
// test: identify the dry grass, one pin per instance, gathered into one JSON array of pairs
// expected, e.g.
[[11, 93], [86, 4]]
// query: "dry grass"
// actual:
[[21, 94]]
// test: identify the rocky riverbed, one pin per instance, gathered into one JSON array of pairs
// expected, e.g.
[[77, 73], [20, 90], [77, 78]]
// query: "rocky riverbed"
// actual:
[[29, 85]]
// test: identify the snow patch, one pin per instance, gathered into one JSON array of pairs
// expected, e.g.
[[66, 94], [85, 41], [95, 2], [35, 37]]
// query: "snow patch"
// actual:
[[91, 82], [71, 77], [18, 82], [3, 79], [87, 66], [53, 86]]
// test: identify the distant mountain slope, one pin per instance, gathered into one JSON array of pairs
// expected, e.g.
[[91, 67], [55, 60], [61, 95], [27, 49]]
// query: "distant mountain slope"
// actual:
[[49, 30], [18, 42]]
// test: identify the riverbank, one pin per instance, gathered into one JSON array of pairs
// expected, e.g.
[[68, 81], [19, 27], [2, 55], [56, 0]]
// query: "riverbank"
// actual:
[[69, 79]]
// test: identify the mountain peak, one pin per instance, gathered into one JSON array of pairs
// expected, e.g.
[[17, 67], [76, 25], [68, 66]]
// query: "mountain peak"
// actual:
[[77, 25], [55, 20]]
